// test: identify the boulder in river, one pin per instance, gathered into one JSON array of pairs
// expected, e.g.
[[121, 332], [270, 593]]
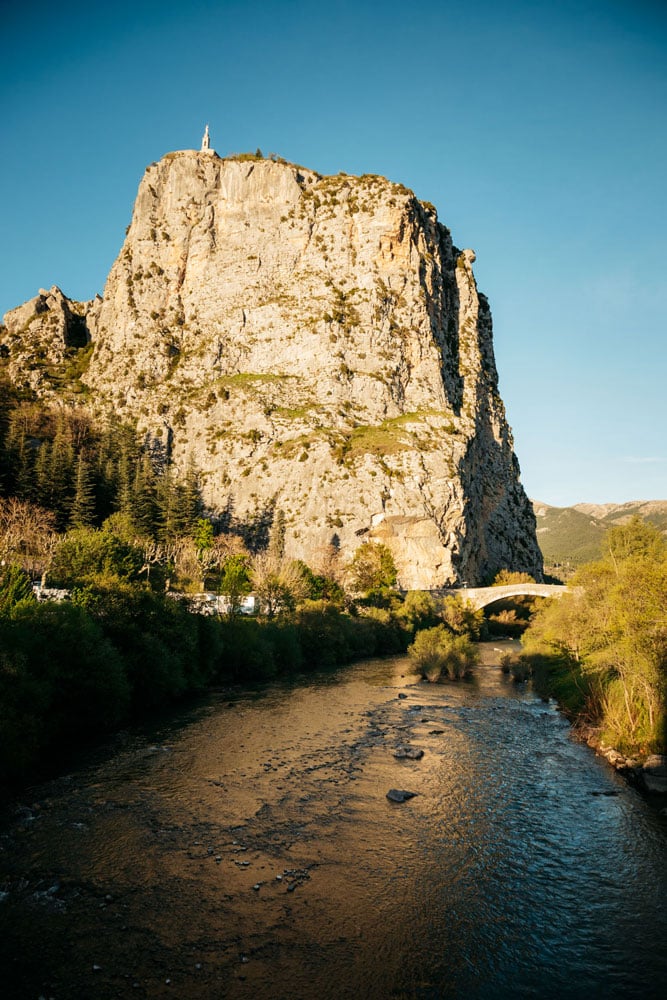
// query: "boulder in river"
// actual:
[[653, 774], [400, 795], [656, 764], [408, 753]]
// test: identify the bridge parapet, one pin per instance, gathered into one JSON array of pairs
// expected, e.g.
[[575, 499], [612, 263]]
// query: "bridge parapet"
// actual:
[[481, 597]]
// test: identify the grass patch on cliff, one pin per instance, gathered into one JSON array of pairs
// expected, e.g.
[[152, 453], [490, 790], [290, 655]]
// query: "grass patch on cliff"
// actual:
[[379, 440], [251, 381], [392, 436], [292, 412]]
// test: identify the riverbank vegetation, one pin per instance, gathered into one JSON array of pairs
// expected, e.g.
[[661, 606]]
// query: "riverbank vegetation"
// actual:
[[96, 519], [438, 653], [601, 650], [122, 546], [118, 646]]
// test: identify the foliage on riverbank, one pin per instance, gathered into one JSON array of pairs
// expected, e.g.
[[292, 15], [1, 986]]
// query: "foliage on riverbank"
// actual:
[[437, 652], [601, 650], [102, 514], [72, 670]]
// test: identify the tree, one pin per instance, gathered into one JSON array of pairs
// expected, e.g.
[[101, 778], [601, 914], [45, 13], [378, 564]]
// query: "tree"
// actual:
[[59, 488], [418, 610], [189, 501], [277, 535], [203, 535], [15, 586], [86, 555], [27, 535], [506, 577], [207, 554], [635, 539], [82, 514], [179, 504], [143, 497], [169, 525], [461, 618], [372, 568], [320, 587], [278, 583], [235, 582]]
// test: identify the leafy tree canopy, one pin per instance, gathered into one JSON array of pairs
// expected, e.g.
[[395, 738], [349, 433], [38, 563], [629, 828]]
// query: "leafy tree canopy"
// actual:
[[372, 568]]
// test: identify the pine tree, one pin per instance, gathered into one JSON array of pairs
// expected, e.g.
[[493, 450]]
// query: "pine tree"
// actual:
[[61, 474], [82, 514], [106, 467], [123, 502], [19, 456], [125, 449], [277, 537], [167, 504], [144, 501], [41, 485], [190, 500]]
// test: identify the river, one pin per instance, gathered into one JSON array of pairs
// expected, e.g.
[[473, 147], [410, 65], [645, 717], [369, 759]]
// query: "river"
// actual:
[[246, 849]]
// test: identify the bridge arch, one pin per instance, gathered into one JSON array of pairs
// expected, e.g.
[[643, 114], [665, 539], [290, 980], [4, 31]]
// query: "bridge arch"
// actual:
[[481, 597]]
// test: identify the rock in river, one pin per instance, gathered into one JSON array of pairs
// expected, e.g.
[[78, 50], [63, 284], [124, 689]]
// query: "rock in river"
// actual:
[[408, 753], [399, 795]]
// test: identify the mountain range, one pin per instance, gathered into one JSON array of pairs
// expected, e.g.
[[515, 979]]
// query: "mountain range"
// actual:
[[569, 536]]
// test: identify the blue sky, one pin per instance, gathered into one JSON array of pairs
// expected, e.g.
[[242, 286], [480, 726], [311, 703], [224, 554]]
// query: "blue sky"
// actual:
[[538, 129]]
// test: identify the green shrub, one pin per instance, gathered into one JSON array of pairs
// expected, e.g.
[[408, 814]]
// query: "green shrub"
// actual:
[[518, 667], [15, 586], [324, 634], [436, 651], [390, 637], [80, 676], [86, 553], [418, 610]]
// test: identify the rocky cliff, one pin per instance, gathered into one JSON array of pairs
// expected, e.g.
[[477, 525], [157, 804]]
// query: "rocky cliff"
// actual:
[[316, 345]]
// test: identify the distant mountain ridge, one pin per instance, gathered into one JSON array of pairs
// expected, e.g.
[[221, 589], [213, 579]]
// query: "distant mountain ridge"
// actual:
[[569, 536]]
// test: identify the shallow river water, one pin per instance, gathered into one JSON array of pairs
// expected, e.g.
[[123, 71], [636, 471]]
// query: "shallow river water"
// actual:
[[246, 849]]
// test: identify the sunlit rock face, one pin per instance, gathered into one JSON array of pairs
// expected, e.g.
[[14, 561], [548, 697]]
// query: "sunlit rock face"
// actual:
[[318, 346]]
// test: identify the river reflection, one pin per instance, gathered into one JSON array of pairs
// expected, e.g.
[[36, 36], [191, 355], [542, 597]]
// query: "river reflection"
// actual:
[[248, 849]]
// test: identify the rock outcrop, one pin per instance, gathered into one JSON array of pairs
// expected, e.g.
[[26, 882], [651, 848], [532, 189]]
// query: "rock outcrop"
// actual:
[[316, 345], [42, 337]]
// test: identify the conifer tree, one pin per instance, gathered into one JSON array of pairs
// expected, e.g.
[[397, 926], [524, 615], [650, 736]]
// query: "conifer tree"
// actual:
[[190, 501], [123, 502], [82, 513], [59, 489], [40, 491], [106, 467], [144, 501], [19, 458], [125, 449], [167, 502], [277, 537]]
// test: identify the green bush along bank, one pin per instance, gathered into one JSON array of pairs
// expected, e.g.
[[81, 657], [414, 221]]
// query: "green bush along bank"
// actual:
[[72, 670], [601, 650]]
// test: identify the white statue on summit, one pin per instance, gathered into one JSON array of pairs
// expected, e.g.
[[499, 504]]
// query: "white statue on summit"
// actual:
[[206, 142]]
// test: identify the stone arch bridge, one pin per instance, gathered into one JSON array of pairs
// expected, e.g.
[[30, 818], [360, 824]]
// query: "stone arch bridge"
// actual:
[[481, 597]]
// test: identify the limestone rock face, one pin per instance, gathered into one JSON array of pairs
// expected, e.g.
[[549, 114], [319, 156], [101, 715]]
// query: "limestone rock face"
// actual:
[[317, 346], [44, 334]]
